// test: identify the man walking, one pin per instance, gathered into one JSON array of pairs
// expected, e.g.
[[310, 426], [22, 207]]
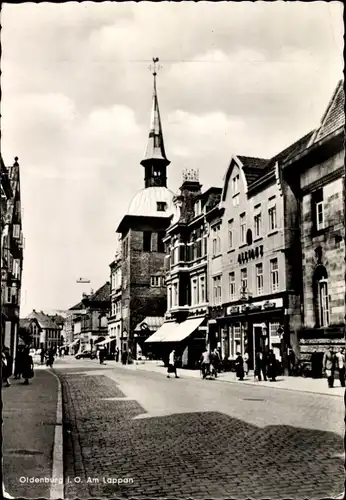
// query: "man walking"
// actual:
[[260, 366], [329, 366], [340, 365], [172, 365], [205, 363]]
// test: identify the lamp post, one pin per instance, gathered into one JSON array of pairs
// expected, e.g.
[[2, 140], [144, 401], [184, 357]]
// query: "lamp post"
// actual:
[[245, 296]]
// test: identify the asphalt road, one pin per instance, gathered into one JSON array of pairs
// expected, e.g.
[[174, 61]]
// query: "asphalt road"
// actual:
[[137, 434]]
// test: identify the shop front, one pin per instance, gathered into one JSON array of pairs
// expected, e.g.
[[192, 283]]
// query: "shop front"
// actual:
[[252, 327]]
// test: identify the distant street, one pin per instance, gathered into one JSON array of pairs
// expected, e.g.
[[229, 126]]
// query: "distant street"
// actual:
[[193, 438]]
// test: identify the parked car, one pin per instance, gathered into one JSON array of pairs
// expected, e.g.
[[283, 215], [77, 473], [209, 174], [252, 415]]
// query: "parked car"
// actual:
[[86, 354]]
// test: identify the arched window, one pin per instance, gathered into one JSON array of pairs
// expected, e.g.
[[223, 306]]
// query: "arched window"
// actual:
[[321, 296]]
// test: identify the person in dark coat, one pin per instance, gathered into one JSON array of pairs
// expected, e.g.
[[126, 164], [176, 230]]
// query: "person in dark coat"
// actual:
[[271, 365], [18, 363], [117, 354], [291, 362], [124, 357], [329, 366], [27, 366], [260, 366], [239, 366], [43, 355], [50, 357], [6, 366], [102, 355], [316, 370]]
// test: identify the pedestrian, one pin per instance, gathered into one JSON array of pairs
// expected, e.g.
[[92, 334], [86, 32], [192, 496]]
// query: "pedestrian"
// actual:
[[239, 366], [260, 366], [172, 365], [205, 362], [291, 362], [101, 355], [340, 365], [272, 366], [215, 361], [18, 363], [4, 368], [124, 357], [27, 366], [329, 365], [50, 357], [43, 355], [117, 354], [246, 362], [315, 364]]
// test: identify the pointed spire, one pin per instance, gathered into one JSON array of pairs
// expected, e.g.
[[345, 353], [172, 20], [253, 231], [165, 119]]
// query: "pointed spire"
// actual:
[[155, 148]]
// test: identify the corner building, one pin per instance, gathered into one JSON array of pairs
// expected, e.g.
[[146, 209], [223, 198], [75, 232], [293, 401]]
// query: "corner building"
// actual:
[[141, 231]]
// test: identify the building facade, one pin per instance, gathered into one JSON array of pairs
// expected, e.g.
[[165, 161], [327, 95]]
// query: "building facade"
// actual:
[[12, 244], [115, 329], [141, 232], [49, 329], [186, 321], [316, 177]]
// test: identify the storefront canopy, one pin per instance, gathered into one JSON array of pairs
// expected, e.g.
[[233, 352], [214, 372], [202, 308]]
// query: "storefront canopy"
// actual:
[[163, 332], [175, 332], [104, 342]]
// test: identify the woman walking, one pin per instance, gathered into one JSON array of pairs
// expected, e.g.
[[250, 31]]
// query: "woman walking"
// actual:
[[27, 366], [239, 366]]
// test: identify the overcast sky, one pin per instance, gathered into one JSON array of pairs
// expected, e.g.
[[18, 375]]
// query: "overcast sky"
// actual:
[[244, 78]]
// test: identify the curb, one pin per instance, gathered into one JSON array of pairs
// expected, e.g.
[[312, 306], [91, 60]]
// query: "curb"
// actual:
[[57, 486], [255, 384]]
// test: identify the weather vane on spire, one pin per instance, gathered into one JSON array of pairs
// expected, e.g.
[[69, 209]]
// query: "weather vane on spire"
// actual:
[[155, 66]]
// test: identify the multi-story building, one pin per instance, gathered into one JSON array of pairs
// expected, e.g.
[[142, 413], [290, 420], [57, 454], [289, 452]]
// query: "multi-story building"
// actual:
[[90, 318], [141, 231], [115, 330], [11, 254], [255, 284], [49, 331], [186, 319], [30, 333], [316, 178]]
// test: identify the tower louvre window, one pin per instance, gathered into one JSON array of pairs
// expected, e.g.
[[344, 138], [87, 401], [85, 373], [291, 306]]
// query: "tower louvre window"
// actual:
[[161, 206], [147, 241]]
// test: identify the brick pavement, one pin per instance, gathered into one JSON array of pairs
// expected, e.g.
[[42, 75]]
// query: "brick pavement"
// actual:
[[202, 454]]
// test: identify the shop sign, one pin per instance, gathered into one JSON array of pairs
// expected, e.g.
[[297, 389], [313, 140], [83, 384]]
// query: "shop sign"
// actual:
[[269, 305], [253, 253], [254, 307], [232, 310]]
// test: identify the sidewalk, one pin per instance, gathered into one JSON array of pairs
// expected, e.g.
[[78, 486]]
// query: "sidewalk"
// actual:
[[301, 384], [29, 420]]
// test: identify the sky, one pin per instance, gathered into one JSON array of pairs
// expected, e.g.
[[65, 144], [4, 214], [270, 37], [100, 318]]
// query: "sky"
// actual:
[[245, 78]]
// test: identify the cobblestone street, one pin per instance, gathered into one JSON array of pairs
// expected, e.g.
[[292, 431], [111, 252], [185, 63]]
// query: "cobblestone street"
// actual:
[[192, 438]]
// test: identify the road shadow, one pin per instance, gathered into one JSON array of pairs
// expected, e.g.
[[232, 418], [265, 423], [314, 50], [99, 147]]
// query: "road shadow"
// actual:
[[189, 455]]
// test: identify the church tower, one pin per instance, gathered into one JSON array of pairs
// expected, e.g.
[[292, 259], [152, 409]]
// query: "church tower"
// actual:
[[155, 161]]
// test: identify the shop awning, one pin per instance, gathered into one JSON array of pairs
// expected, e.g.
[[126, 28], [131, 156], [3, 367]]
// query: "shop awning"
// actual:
[[150, 323], [183, 330], [163, 332], [75, 342], [104, 342]]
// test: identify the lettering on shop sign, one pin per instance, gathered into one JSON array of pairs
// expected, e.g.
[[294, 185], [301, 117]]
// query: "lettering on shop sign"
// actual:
[[233, 310], [253, 253], [269, 305]]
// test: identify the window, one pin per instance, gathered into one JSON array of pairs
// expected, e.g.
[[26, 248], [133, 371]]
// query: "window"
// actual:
[[160, 243], [274, 275], [258, 225], [175, 301], [235, 184], [230, 234], [231, 277], [147, 241], [217, 290], [202, 289], [9, 294], [194, 298], [204, 244], [319, 215], [324, 302], [125, 248], [259, 279], [272, 218], [169, 297], [16, 230], [155, 281], [243, 281], [198, 207], [242, 229], [161, 206], [216, 241]]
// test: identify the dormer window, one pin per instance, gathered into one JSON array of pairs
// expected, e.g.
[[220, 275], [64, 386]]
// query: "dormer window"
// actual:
[[161, 206]]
